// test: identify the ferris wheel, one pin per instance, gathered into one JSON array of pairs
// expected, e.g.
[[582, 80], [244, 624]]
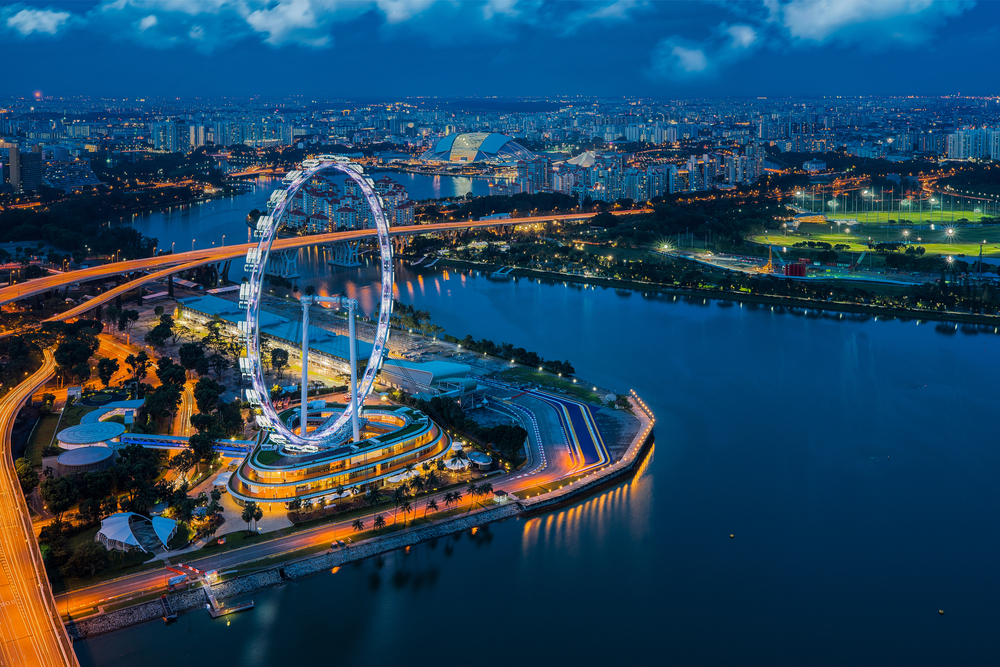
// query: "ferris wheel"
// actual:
[[340, 429]]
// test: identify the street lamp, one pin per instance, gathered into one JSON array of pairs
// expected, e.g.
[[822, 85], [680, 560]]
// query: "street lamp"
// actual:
[[192, 245], [223, 240]]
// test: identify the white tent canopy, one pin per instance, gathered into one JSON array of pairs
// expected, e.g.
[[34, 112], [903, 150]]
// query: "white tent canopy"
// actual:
[[117, 532], [456, 464], [223, 478], [164, 528]]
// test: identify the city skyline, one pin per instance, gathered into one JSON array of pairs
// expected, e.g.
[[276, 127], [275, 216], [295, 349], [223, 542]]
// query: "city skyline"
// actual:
[[498, 47]]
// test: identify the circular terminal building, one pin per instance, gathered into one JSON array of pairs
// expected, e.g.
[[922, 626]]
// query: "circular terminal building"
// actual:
[[89, 435], [85, 459], [392, 438]]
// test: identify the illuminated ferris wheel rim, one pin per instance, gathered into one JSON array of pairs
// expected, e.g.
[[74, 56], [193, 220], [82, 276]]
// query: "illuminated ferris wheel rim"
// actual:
[[328, 433]]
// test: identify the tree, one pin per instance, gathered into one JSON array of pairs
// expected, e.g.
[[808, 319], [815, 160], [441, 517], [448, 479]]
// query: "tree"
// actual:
[[191, 354], [106, 369], [170, 373], [158, 310], [206, 394], [126, 320], [219, 364], [248, 513], [59, 494], [449, 499], [139, 364], [379, 523], [473, 491], [158, 335], [88, 559], [279, 360], [407, 508], [26, 475], [358, 525], [183, 462], [431, 505]]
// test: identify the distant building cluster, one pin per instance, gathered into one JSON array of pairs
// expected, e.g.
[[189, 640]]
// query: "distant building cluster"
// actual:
[[179, 135], [608, 177], [27, 170], [323, 205], [974, 144]]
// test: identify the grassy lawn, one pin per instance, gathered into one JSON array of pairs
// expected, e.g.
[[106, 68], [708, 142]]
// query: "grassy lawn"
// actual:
[[40, 438], [268, 457], [580, 390], [235, 540], [181, 537]]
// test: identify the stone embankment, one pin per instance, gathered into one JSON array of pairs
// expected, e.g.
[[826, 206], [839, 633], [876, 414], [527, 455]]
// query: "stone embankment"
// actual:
[[378, 546], [179, 602], [140, 613]]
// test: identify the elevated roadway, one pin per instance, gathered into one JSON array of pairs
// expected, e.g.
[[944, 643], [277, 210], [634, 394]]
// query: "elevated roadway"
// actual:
[[31, 631], [185, 260]]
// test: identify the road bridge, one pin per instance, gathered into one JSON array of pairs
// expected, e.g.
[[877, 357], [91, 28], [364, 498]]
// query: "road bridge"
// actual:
[[31, 631], [184, 260]]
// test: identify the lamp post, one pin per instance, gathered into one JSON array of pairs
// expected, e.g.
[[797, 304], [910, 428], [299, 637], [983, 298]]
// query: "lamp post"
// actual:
[[192, 245]]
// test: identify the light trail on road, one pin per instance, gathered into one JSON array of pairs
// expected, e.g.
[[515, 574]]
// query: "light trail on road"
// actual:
[[212, 255], [31, 631]]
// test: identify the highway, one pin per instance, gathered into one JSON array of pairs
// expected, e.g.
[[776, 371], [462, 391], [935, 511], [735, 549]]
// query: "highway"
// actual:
[[212, 255], [31, 631]]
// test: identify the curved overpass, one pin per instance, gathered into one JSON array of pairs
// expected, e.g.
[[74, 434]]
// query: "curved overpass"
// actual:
[[213, 255], [31, 631]]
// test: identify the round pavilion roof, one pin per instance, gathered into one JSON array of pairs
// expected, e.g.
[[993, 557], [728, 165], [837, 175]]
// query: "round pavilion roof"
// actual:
[[85, 455], [88, 434]]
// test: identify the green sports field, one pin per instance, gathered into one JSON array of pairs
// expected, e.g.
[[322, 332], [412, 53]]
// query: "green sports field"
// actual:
[[966, 240], [922, 217]]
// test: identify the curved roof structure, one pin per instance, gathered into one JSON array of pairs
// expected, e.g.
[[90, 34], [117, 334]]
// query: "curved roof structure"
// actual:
[[478, 147], [85, 455], [89, 434], [117, 531]]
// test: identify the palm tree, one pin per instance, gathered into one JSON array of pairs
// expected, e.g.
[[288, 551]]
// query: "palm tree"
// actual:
[[485, 489], [379, 523], [449, 498], [432, 480], [258, 514], [457, 497], [247, 514], [358, 525], [407, 508], [473, 491], [418, 484], [398, 498], [432, 505]]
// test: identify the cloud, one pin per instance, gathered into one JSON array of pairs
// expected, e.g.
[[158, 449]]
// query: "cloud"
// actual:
[[41, 21], [397, 11], [899, 21], [147, 22], [674, 59], [782, 25], [743, 36], [291, 20]]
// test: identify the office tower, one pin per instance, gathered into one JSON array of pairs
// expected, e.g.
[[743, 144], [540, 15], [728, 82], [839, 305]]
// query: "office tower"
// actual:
[[14, 162]]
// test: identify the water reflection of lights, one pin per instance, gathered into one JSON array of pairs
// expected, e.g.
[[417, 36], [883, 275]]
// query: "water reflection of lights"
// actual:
[[632, 498]]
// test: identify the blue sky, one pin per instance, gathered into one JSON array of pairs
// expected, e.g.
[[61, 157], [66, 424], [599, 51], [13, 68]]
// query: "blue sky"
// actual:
[[362, 49]]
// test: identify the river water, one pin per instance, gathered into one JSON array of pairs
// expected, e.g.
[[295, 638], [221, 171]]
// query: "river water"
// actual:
[[854, 461]]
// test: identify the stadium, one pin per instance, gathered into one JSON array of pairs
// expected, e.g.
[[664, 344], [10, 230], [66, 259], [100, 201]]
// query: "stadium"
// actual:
[[491, 147]]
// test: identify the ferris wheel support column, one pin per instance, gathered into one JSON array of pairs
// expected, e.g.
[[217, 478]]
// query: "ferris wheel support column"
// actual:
[[351, 308]]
